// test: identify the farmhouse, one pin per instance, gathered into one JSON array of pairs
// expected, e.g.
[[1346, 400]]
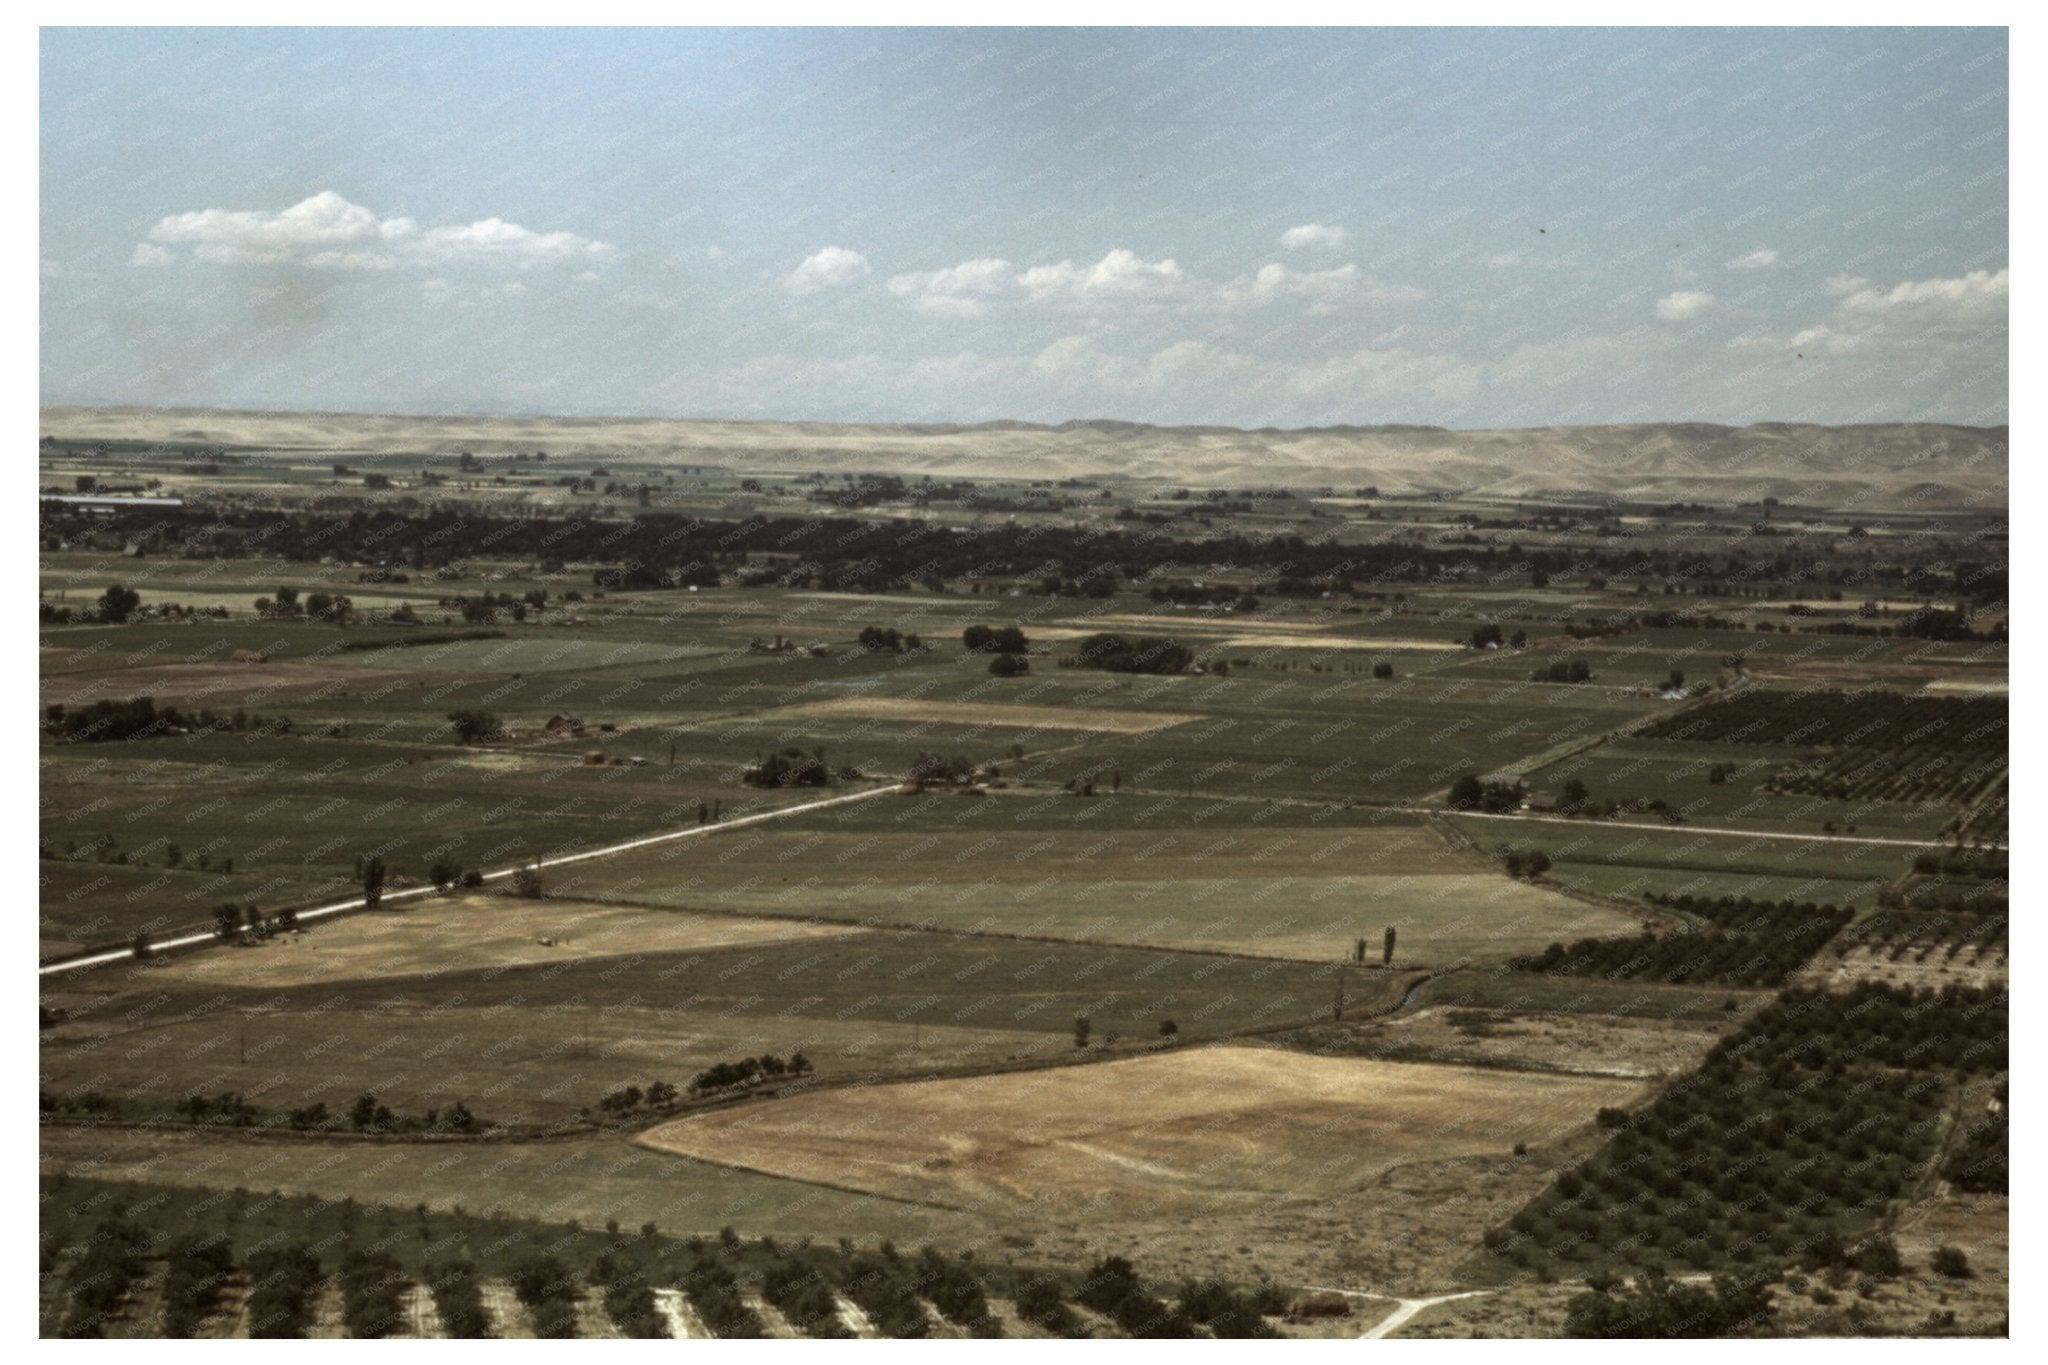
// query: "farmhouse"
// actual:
[[564, 725]]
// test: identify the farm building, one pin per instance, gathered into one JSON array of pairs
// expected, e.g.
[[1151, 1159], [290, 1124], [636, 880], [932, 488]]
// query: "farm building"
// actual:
[[1541, 801], [564, 724]]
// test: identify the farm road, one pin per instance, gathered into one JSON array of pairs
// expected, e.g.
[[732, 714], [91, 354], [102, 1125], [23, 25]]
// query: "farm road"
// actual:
[[342, 907]]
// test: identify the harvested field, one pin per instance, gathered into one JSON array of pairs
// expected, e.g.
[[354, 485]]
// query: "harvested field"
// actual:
[[477, 931], [1221, 1128], [1589, 1044], [1104, 719]]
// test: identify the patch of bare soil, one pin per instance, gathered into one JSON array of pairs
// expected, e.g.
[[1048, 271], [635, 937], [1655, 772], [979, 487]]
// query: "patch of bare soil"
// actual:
[[1862, 964]]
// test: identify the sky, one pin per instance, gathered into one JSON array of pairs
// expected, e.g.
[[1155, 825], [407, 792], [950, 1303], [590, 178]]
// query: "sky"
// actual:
[[1244, 227]]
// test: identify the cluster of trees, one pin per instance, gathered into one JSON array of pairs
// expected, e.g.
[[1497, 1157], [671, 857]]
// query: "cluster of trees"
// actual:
[[1657, 1307], [800, 1291], [373, 1286], [877, 640], [1573, 671], [1873, 717], [472, 726], [628, 1298], [956, 1291], [1041, 1301], [657, 1095], [1525, 864], [119, 604], [1805, 1121], [101, 1277], [994, 640], [318, 606], [1469, 793], [1009, 665], [1915, 773], [660, 549], [549, 1293], [242, 923], [1111, 1287], [458, 1299], [1757, 944], [1131, 654], [142, 718], [284, 1285], [939, 768], [882, 1286], [790, 767], [198, 1267], [714, 1291], [748, 1071]]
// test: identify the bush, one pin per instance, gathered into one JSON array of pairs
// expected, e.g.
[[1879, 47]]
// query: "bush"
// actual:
[[1950, 1262]]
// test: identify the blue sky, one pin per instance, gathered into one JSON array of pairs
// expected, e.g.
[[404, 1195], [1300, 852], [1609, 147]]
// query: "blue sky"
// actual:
[[1470, 228]]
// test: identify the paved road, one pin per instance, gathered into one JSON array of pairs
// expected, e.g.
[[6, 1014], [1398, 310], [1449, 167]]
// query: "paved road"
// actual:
[[342, 907]]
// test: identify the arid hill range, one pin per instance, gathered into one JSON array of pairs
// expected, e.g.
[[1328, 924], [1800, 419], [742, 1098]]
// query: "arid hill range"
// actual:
[[1879, 466]]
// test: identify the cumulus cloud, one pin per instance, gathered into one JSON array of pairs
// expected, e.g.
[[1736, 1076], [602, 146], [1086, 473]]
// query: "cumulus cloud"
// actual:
[[963, 290], [1313, 237], [1978, 296], [1968, 310], [1684, 305], [1120, 274], [327, 232], [1763, 258], [1322, 290], [833, 268]]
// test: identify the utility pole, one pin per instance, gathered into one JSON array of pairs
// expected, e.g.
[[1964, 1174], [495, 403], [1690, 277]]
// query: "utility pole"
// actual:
[[1339, 1013]]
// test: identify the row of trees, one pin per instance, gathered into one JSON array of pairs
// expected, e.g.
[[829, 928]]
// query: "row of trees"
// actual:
[[1790, 1138], [669, 548], [1869, 718], [1761, 949], [142, 718], [880, 640], [1132, 654]]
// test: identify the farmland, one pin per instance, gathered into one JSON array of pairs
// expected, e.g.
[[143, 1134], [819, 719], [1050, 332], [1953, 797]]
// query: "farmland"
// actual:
[[792, 877]]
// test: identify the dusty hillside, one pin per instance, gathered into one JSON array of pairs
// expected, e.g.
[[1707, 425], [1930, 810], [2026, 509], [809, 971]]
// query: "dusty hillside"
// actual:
[[1879, 465]]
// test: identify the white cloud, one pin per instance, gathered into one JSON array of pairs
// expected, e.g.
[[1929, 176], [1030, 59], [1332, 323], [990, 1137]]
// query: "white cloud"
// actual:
[[1918, 316], [962, 290], [832, 268], [1684, 305], [1978, 296], [1120, 274], [1322, 290], [1763, 258], [148, 256], [327, 232], [1313, 237]]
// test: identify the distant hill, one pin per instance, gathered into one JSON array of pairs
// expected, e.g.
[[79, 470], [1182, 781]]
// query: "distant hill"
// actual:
[[1877, 466]]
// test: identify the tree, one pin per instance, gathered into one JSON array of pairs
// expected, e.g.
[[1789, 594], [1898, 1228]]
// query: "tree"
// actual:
[[1383, 670], [1387, 948], [1081, 1027], [1009, 665], [526, 883], [474, 727], [1950, 1262], [1466, 792], [443, 875], [227, 922], [118, 603], [373, 883], [140, 945], [1168, 1029], [287, 921], [1573, 794]]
